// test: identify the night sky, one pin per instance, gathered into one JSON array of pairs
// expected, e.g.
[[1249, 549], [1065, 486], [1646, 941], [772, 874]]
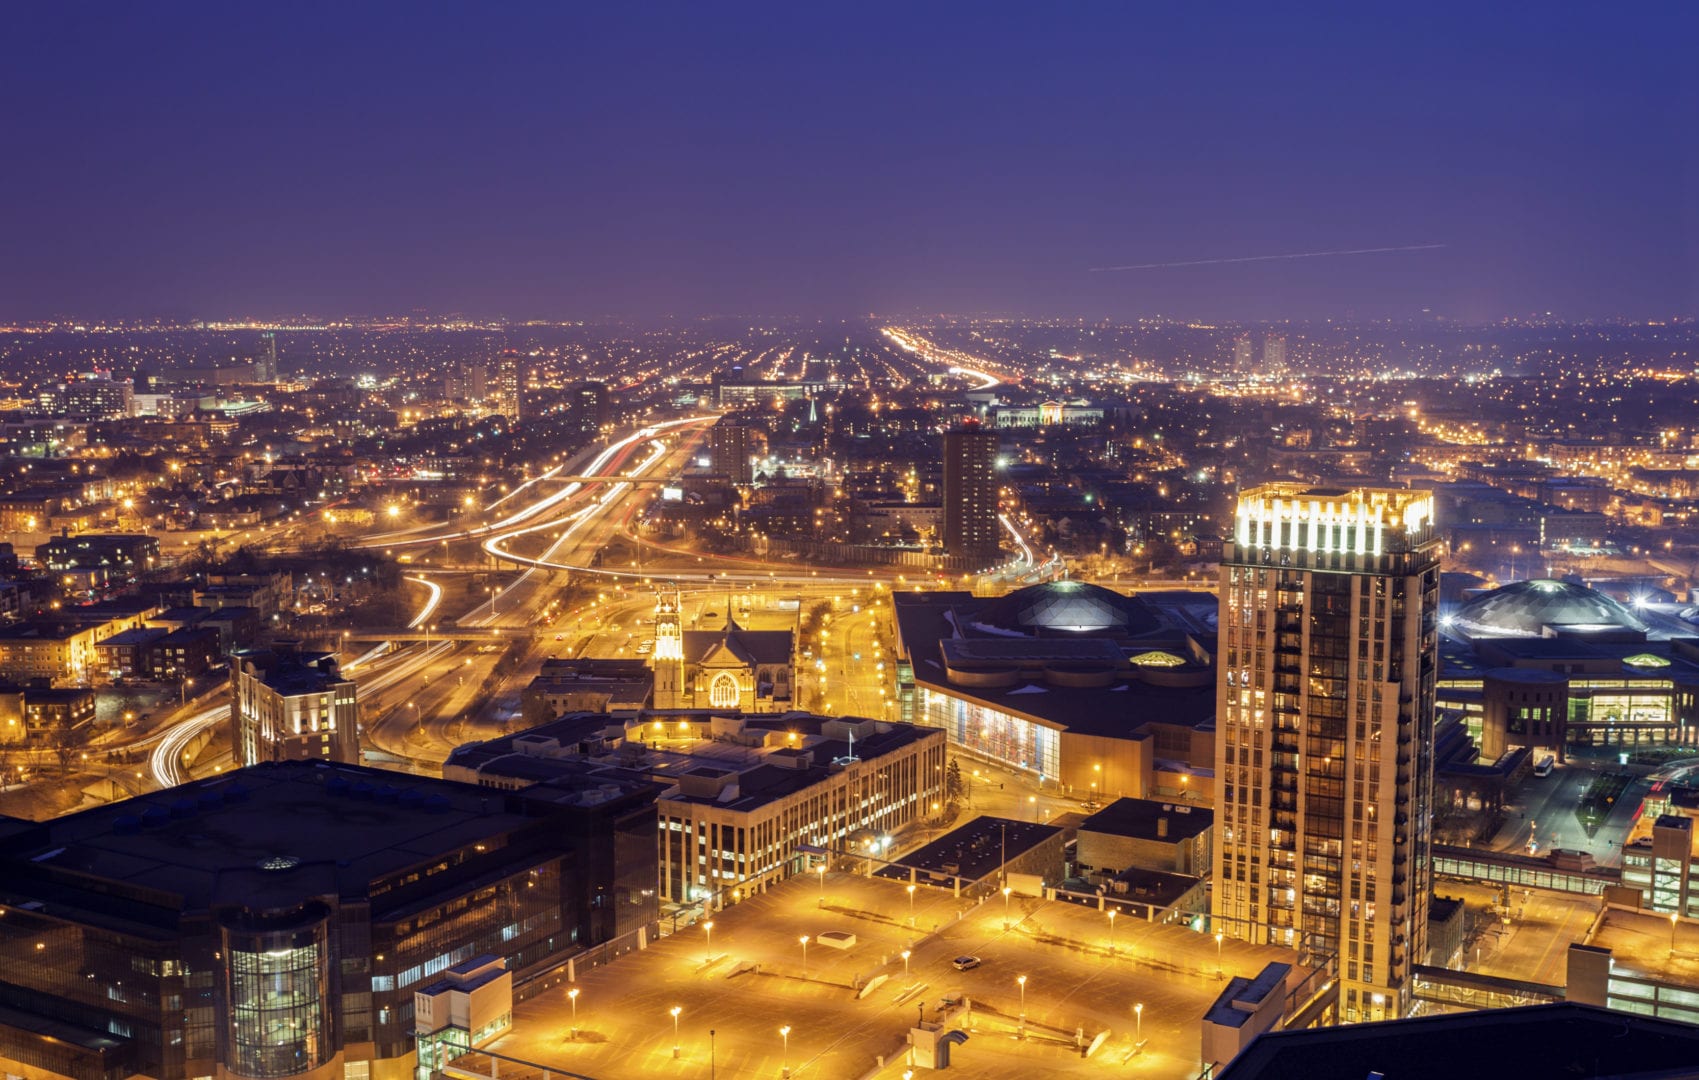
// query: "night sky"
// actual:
[[579, 161]]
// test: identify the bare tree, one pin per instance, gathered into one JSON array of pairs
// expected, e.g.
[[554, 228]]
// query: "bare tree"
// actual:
[[68, 743]]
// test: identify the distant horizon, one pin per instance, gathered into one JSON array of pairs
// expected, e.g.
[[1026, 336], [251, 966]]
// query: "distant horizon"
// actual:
[[1240, 163], [310, 321]]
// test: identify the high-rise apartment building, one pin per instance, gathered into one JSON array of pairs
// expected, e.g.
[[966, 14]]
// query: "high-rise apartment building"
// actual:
[[1324, 742], [728, 451], [970, 494], [1274, 355], [1244, 355], [288, 705]]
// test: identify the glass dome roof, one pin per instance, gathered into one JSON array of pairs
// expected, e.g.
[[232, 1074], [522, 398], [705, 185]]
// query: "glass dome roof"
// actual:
[[1069, 607], [1525, 608]]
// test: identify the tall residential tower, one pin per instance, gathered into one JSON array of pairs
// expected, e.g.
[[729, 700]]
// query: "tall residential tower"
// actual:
[[1324, 747], [970, 495]]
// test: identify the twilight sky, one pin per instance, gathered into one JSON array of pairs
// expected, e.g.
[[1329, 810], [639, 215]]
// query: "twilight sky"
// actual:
[[581, 160]]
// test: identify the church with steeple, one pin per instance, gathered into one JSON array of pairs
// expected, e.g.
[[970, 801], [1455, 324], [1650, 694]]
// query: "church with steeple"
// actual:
[[728, 668]]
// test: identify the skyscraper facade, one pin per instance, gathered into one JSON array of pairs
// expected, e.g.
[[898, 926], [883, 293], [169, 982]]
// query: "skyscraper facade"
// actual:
[[1325, 713], [970, 494], [1274, 355]]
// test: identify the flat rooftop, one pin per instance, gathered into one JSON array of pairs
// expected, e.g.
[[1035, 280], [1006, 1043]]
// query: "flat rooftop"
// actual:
[[589, 745], [1640, 942], [975, 849], [1142, 819], [283, 830], [1566, 1040]]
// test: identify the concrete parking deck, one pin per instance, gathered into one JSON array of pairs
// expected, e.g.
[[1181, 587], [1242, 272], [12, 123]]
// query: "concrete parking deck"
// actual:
[[746, 980]]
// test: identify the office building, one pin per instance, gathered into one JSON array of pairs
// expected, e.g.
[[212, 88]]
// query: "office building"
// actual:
[[729, 453], [971, 529], [1274, 355], [288, 705], [277, 921], [1325, 732], [99, 398], [739, 796]]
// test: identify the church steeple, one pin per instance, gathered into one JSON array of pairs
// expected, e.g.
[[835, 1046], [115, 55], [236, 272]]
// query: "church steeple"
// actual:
[[668, 659]]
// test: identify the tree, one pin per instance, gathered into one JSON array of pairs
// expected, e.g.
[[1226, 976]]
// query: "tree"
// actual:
[[953, 784], [67, 742]]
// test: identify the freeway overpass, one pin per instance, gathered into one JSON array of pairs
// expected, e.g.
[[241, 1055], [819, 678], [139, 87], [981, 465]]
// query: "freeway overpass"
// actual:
[[440, 633]]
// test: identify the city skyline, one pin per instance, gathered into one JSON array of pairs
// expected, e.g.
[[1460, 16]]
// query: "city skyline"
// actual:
[[841, 542]]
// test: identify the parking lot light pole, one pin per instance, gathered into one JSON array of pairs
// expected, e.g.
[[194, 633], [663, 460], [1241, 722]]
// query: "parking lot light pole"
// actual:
[[1021, 982], [1112, 914], [572, 996], [675, 1010], [906, 955], [1006, 892], [708, 929], [785, 1034], [804, 940], [1218, 972], [1138, 1026]]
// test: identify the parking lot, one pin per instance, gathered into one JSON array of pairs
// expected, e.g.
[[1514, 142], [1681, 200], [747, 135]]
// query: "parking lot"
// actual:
[[746, 979]]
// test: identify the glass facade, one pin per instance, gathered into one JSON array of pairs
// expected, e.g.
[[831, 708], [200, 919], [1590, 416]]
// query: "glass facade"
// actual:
[[278, 996], [1619, 712], [1469, 864], [1012, 740]]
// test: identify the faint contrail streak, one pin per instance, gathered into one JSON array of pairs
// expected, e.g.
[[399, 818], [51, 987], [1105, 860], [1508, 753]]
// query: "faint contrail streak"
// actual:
[[1267, 258]]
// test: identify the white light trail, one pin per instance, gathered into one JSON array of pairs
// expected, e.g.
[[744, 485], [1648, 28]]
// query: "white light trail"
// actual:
[[1026, 549], [165, 761]]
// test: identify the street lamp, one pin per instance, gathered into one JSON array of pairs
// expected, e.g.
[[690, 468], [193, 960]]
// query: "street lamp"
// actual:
[[785, 1034], [911, 905], [1112, 914], [572, 996], [1218, 938], [805, 956], [906, 955], [1020, 980], [708, 929], [675, 1010], [1033, 801], [821, 870], [1138, 1026], [1006, 891], [1673, 917]]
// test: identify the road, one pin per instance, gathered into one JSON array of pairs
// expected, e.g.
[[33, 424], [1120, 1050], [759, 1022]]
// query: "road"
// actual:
[[1548, 807]]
